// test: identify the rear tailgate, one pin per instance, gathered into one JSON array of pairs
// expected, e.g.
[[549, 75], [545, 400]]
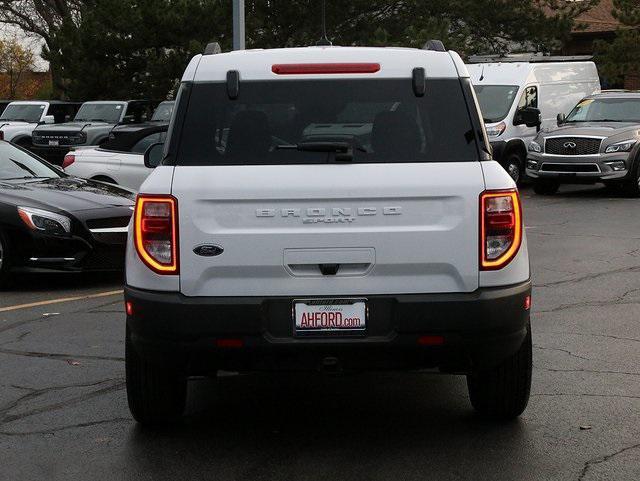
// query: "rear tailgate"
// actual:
[[329, 230]]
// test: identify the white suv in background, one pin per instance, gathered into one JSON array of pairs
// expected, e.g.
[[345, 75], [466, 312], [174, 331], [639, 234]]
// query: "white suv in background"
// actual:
[[327, 208], [20, 118]]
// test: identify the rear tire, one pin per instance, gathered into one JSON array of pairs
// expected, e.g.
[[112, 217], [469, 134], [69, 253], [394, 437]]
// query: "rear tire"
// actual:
[[5, 262], [102, 178], [156, 393], [503, 391], [25, 143], [545, 187]]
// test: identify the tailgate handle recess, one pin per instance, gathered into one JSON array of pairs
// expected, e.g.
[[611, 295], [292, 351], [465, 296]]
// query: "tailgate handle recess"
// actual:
[[329, 269], [329, 262]]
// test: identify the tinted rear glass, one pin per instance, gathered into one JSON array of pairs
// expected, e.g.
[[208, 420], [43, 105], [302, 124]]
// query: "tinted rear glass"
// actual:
[[381, 118]]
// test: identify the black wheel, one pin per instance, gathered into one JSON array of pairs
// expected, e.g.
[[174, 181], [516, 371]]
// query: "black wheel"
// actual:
[[545, 187], [612, 187], [514, 167], [156, 392], [102, 178], [503, 392], [4, 261], [632, 186], [25, 143]]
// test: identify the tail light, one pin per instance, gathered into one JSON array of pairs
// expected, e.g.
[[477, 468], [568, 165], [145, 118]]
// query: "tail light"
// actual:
[[500, 228], [68, 160], [156, 232]]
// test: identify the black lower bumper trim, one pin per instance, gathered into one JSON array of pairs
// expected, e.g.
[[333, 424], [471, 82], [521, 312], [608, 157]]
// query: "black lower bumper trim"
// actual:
[[479, 329]]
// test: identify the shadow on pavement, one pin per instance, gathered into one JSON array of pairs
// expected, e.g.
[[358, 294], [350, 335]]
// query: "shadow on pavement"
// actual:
[[291, 423], [597, 191]]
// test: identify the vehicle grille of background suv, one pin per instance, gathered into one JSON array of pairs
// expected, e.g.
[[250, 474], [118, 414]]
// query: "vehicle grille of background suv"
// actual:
[[63, 138], [565, 145], [111, 230]]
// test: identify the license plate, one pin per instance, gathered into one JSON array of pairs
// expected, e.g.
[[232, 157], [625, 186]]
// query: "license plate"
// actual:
[[54, 143], [330, 315]]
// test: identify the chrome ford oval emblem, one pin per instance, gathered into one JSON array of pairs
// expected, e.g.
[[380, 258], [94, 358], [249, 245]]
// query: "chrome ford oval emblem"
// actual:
[[208, 250], [570, 145]]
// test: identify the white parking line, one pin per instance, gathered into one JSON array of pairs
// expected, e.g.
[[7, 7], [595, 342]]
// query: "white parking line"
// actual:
[[58, 301]]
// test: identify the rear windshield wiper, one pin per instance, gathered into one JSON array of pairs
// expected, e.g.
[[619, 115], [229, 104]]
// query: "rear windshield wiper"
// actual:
[[343, 150]]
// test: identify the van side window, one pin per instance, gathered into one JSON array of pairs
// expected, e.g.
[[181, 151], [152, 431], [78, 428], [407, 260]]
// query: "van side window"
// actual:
[[529, 98]]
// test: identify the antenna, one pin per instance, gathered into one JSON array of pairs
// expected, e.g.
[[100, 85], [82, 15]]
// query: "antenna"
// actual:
[[324, 40]]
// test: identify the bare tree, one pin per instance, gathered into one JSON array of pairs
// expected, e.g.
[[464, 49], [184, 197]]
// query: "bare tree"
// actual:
[[15, 60], [42, 18]]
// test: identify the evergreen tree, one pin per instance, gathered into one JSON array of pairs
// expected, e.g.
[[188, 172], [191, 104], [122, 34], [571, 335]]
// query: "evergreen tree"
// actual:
[[119, 48], [622, 56]]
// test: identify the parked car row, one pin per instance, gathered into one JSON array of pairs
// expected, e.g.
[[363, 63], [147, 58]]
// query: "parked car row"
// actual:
[[52, 128]]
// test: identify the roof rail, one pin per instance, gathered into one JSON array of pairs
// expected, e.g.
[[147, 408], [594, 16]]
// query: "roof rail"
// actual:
[[435, 45], [212, 48], [528, 57]]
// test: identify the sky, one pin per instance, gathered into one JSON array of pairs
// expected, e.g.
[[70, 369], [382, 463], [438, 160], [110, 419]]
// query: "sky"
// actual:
[[32, 43]]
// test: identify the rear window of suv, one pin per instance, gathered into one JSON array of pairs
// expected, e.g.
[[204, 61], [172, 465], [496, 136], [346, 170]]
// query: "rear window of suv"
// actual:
[[381, 119]]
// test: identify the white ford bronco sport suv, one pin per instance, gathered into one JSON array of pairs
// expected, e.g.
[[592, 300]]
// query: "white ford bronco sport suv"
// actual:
[[327, 208]]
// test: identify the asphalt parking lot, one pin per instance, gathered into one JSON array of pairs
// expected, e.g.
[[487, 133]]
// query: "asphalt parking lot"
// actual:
[[63, 409]]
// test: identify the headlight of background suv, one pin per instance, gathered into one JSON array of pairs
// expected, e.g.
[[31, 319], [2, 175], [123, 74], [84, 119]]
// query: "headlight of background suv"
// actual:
[[45, 221], [496, 130], [535, 147], [625, 146]]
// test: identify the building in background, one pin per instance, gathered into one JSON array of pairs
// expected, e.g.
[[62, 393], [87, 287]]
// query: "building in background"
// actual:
[[598, 23]]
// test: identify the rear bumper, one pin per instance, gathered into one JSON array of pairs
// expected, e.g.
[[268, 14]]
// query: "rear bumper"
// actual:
[[479, 329]]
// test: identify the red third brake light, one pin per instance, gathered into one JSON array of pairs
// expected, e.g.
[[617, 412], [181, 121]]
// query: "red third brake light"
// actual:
[[500, 228], [324, 68], [156, 232], [68, 160]]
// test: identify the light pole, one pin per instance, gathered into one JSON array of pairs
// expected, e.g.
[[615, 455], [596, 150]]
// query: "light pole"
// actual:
[[238, 25]]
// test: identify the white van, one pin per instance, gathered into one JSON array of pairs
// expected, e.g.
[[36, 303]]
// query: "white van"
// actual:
[[509, 89]]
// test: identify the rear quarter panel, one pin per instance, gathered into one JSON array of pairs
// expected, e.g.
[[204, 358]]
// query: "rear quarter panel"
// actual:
[[136, 272], [518, 270]]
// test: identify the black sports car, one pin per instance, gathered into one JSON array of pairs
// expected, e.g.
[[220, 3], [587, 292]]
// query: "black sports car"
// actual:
[[50, 221]]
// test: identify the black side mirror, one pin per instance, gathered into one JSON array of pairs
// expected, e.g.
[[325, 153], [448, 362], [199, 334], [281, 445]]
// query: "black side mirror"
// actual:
[[529, 116], [153, 155], [561, 119]]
